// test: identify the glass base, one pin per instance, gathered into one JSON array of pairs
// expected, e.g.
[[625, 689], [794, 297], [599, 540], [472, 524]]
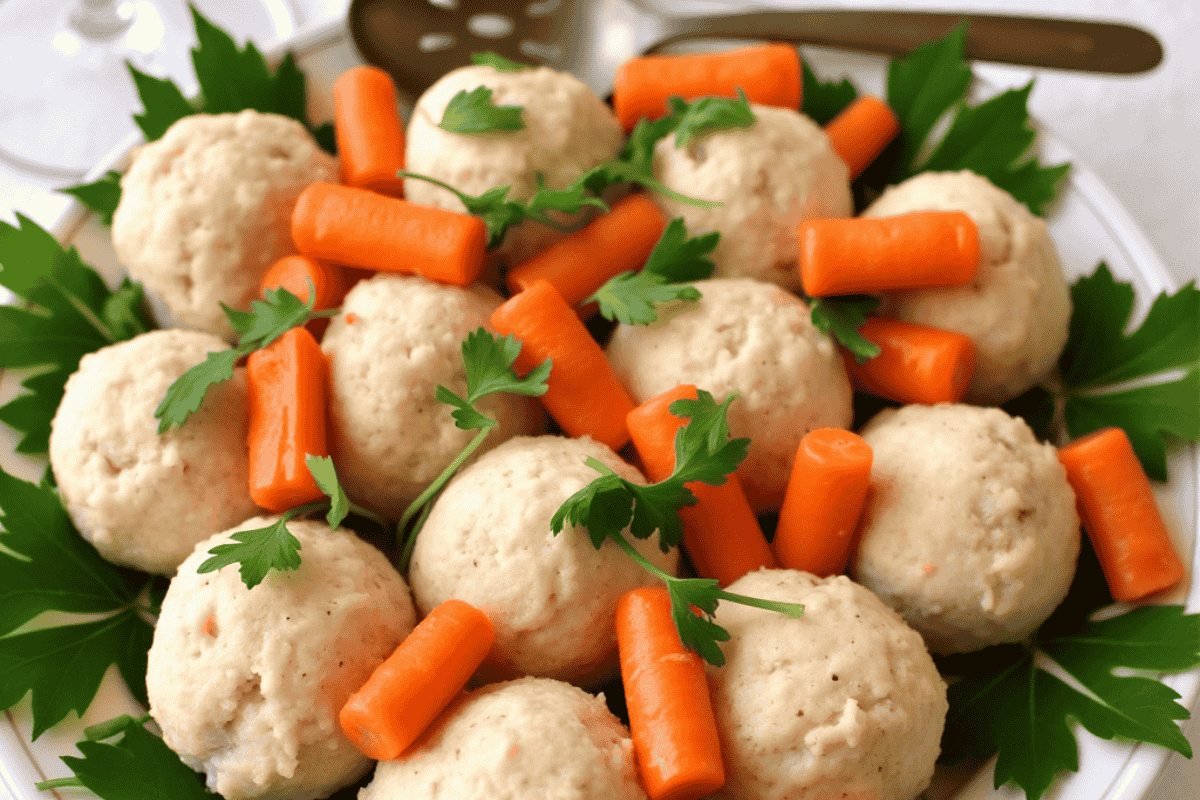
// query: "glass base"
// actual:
[[66, 99]]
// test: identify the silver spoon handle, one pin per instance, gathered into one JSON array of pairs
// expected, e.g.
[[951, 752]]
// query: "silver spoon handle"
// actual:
[[1054, 43]]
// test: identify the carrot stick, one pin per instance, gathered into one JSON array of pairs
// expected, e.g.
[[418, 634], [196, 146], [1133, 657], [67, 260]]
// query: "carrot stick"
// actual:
[[720, 532], [670, 715], [579, 264], [418, 680], [916, 363], [584, 396], [825, 497], [768, 74], [882, 254], [370, 133], [859, 134], [286, 390], [361, 228], [1119, 513]]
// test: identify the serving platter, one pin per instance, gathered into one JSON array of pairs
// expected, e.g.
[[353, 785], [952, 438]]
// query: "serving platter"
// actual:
[[1088, 224]]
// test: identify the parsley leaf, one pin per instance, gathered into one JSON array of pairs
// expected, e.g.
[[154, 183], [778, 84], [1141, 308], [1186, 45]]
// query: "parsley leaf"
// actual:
[[990, 139], [231, 79], [842, 317], [610, 503], [475, 112], [265, 322], [679, 258], [1099, 356], [100, 197], [822, 101], [498, 62], [323, 472], [1016, 707], [489, 361], [712, 114], [922, 88], [138, 766], [630, 297], [500, 213], [259, 551], [45, 565], [68, 313]]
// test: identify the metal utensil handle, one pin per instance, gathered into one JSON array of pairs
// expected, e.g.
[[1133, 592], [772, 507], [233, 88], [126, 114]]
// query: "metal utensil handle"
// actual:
[[1054, 43]]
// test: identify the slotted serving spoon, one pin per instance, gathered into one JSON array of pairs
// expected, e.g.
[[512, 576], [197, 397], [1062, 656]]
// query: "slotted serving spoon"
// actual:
[[418, 41]]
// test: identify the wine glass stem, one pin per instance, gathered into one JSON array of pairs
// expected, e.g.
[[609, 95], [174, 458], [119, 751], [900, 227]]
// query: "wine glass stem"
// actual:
[[98, 19]]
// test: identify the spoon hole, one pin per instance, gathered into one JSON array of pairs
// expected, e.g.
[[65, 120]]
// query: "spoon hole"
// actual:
[[490, 26], [542, 8], [432, 42], [540, 51]]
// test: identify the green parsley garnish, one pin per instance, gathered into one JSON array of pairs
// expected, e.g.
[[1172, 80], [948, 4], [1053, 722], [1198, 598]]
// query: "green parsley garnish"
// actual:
[[489, 364], [45, 565], [138, 766], [710, 115], [606, 506], [475, 112], [231, 80], [990, 139], [631, 297], [1015, 707], [500, 214], [842, 317], [100, 197], [498, 62], [68, 313], [1100, 361], [265, 322], [824, 100]]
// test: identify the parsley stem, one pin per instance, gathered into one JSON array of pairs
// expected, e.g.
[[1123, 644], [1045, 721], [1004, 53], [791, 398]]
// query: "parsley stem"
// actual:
[[59, 783], [84, 311], [411, 542], [416, 505], [110, 728], [327, 312], [300, 511], [379, 520]]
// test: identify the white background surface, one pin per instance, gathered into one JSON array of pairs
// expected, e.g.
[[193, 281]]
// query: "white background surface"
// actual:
[[1139, 134]]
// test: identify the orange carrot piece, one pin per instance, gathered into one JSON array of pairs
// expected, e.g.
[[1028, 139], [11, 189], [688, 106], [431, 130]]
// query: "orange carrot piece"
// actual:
[[916, 363], [365, 229], [370, 133], [768, 74], [580, 263], [1119, 513], [670, 715], [294, 272], [286, 383], [863, 255], [825, 497], [405, 693], [859, 134], [720, 532], [585, 396]]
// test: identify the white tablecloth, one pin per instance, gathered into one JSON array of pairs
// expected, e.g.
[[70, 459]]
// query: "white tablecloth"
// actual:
[[1139, 134]]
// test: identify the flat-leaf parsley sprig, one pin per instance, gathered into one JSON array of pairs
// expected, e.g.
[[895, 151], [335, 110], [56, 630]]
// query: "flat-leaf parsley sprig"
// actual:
[[260, 550], [45, 565], [610, 504], [841, 317], [137, 766], [1107, 377], [265, 322], [231, 79], [488, 360], [631, 297], [67, 312]]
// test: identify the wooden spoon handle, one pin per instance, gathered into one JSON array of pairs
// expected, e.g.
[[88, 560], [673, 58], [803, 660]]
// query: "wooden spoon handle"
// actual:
[[1054, 43]]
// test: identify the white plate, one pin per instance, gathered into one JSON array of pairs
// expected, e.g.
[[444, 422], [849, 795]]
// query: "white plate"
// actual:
[[1088, 224]]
